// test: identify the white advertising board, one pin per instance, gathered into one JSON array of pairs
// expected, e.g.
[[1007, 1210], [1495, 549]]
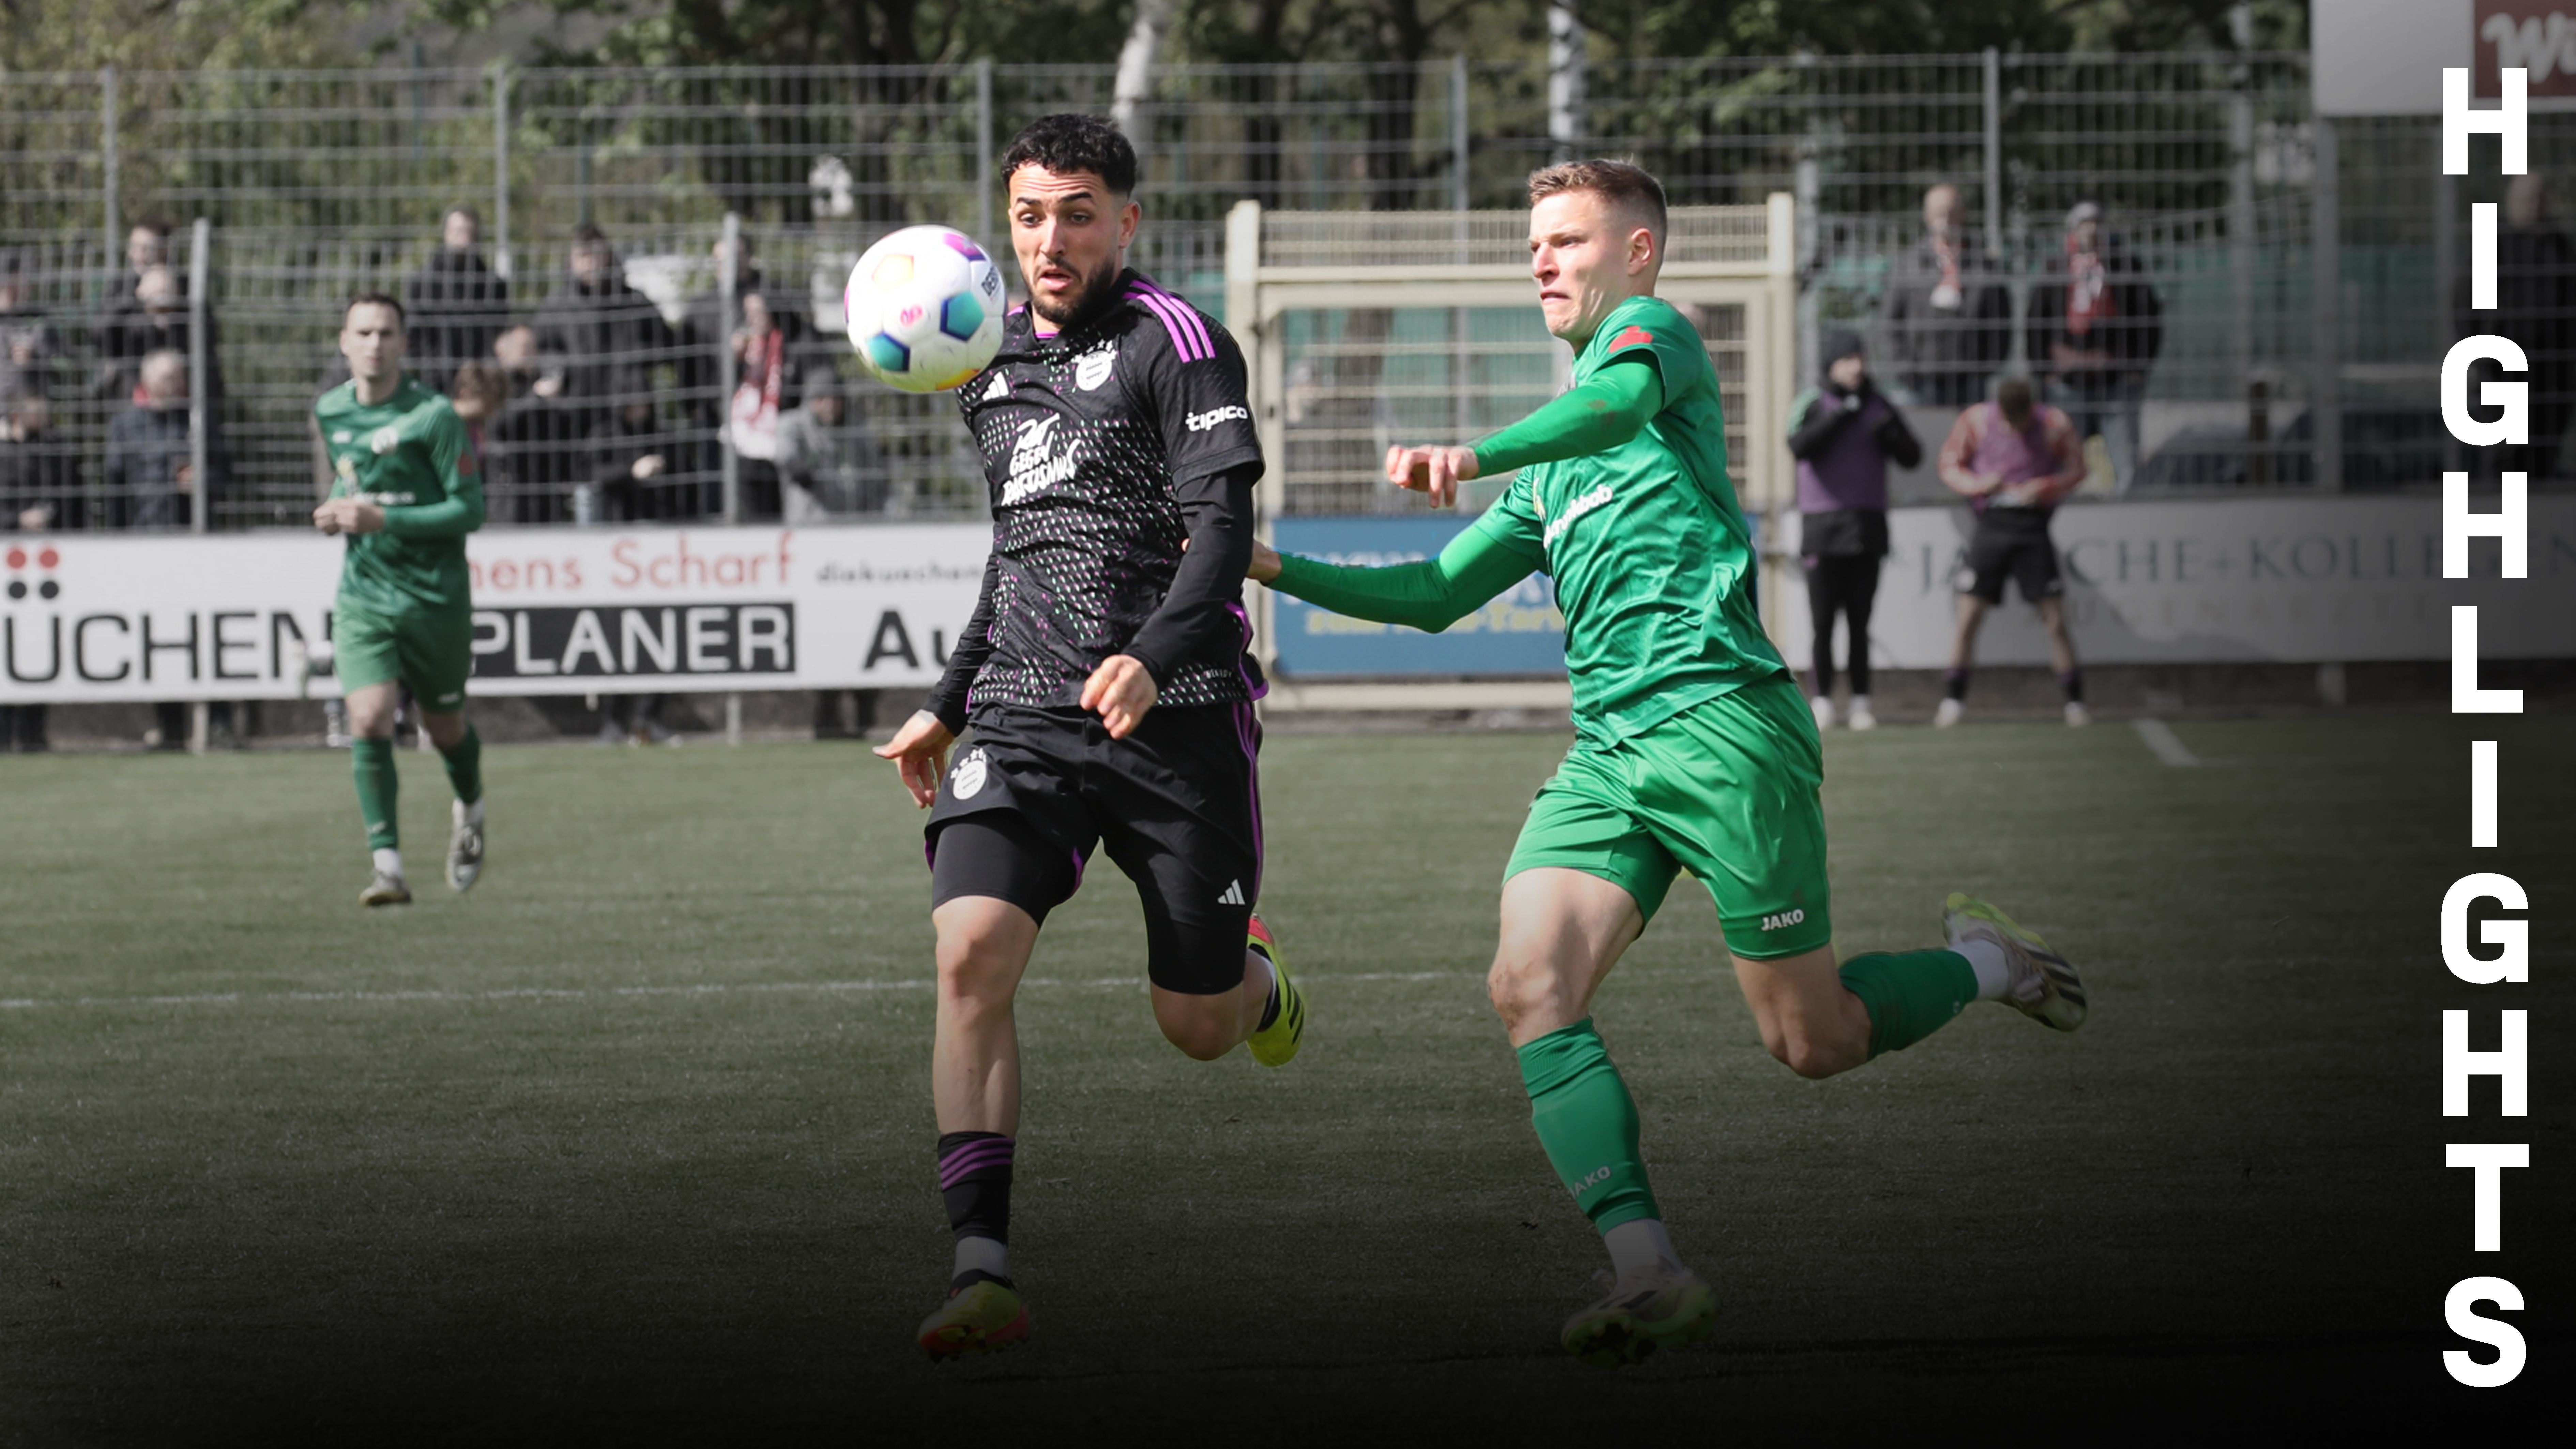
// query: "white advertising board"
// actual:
[[2285, 580], [101, 618]]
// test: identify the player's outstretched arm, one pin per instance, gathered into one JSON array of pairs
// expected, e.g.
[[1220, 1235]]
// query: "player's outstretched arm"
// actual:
[[920, 754], [1610, 408], [1431, 595]]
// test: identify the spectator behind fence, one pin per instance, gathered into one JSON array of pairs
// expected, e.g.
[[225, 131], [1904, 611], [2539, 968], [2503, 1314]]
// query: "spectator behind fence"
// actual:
[[597, 328], [705, 330], [2095, 330], [1949, 314], [538, 450], [39, 490], [1844, 433], [2536, 308], [632, 456], [40, 483], [766, 388], [827, 461], [457, 305], [2015, 461], [29, 347], [150, 476], [154, 319]]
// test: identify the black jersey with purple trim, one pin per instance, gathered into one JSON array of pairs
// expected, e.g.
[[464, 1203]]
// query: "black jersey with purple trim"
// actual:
[[1097, 443]]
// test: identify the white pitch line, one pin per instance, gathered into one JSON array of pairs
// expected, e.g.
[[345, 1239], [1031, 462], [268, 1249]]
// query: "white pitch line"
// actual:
[[711, 988], [2167, 746]]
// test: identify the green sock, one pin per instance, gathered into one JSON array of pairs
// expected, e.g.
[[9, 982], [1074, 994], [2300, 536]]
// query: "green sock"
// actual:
[[465, 766], [1588, 1123], [372, 761], [1910, 994]]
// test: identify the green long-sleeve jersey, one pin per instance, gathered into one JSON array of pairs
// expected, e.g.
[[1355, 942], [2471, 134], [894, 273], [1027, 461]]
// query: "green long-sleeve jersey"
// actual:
[[1623, 500], [410, 456]]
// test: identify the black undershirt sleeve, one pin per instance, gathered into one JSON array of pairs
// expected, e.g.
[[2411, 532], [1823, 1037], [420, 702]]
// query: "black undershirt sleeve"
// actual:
[[1897, 440], [1826, 416], [948, 698], [1195, 622]]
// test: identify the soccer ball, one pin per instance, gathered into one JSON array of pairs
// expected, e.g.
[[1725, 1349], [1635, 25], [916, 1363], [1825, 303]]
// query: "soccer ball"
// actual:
[[925, 309]]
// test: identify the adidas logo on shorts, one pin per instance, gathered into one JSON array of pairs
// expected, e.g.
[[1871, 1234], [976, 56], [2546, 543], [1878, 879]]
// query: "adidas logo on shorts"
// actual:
[[1233, 894]]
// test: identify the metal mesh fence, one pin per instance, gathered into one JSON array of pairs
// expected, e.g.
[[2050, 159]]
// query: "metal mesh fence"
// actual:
[[320, 182]]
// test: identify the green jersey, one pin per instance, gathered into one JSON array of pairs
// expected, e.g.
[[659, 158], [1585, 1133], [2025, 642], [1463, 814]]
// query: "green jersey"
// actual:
[[410, 456], [1634, 518], [1652, 557]]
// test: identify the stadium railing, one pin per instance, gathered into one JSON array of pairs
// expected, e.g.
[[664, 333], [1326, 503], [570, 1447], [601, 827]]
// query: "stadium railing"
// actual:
[[318, 182]]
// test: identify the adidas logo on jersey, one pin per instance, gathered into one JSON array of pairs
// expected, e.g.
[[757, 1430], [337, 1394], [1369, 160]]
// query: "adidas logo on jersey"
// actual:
[[999, 387], [1035, 465], [1233, 894]]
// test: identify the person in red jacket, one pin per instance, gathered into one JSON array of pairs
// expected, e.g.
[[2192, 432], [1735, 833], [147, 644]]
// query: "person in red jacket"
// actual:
[[2014, 460]]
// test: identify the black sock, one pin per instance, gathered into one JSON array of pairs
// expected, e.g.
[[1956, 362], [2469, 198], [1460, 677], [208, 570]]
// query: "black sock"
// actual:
[[975, 1184], [2073, 679], [1954, 684]]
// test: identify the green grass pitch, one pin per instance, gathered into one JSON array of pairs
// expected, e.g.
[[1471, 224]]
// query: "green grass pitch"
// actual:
[[636, 1139]]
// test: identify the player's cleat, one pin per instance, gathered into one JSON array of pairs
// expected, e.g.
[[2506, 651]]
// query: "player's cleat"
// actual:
[[1861, 718], [464, 850], [1640, 1317], [1275, 1044], [1823, 708], [2044, 987], [978, 1318], [385, 890], [1279, 1041], [1948, 714], [2076, 714]]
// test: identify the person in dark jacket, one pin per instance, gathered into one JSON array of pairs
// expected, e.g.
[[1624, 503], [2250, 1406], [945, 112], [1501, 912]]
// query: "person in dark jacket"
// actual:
[[537, 450], [30, 349], [40, 475], [456, 304], [598, 329], [150, 472], [2536, 308], [1949, 314], [1844, 433], [2095, 329], [154, 319], [632, 459]]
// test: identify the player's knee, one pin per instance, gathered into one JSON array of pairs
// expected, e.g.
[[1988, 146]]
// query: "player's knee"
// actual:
[[1203, 1027], [975, 962], [1809, 1057], [1518, 986]]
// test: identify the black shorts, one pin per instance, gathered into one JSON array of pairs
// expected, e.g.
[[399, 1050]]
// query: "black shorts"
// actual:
[[2014, 543], [1030, 794]]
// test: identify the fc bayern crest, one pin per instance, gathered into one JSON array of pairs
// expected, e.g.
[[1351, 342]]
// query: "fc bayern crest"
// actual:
[[967, 780]]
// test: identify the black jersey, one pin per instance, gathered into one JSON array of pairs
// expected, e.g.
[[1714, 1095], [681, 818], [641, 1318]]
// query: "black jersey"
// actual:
[[1105, 447]]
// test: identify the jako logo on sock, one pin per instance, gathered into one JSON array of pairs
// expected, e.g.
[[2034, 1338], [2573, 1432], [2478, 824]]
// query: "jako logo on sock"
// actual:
[[1593, 1179]]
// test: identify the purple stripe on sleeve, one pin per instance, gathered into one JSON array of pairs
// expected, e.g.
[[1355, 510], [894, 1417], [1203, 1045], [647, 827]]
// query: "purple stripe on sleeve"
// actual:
[[1182, 338], [1189, 319]]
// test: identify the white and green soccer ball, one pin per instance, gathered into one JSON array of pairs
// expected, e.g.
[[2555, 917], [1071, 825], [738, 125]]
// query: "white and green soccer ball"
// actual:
[[925, 309]]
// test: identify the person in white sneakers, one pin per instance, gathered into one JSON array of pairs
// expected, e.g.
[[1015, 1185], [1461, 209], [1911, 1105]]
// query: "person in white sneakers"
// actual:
[[1844, 433], [2014, 460]]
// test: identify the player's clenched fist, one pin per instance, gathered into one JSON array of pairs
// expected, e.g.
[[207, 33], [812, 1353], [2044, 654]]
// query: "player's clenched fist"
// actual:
[[1435, 470], [920, 754], [1119, 691]]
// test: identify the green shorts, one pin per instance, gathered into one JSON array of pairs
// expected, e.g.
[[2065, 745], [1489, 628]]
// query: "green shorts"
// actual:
[[1729, 790], [433, 653]]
